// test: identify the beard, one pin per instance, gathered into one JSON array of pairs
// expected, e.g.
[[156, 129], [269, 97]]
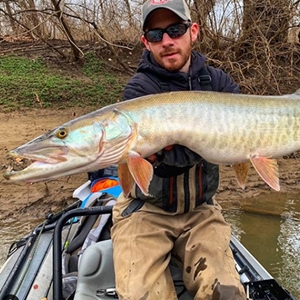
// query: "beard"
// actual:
[[173, 64]]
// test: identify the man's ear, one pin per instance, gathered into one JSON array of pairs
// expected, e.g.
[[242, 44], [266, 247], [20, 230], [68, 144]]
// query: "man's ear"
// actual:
[[145, 42], [194, 31]]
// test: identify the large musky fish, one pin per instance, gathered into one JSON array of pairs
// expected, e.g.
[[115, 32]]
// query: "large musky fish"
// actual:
[[223, 128]]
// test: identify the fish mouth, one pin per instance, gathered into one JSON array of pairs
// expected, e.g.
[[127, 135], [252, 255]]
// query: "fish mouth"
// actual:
[[24, 163], [45, 167], [50, 155], [11, 173]]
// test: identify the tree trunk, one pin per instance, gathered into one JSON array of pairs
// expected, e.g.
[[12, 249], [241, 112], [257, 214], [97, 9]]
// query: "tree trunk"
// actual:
[[60, 16], [34, 18], [13, 24], [129, 13]]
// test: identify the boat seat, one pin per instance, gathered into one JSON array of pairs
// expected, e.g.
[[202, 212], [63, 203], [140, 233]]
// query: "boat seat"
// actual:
[[95, 274], [96, 278]]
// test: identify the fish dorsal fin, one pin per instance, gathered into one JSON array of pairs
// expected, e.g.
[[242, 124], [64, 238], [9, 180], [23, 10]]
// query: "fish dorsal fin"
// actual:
[[141, 171], [241, 172], [125, 178], [267, 168]]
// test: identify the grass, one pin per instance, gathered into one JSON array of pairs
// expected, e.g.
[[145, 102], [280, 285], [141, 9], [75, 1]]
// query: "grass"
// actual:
[[26, 82]]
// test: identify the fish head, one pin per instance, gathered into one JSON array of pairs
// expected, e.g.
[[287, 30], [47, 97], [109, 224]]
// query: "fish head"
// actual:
[[83, 145]]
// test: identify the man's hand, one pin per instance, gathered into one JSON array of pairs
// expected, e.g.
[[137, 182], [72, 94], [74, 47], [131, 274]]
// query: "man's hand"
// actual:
[[152, 158], [173, 160]]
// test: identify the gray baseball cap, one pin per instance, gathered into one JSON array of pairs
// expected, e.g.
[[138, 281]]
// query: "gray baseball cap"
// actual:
[[179, 7]]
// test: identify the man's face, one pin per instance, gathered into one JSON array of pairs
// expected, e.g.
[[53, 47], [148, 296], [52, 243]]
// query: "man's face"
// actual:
[[172, 54]]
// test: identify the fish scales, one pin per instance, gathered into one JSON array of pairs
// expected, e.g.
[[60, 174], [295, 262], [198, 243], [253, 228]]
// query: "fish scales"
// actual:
[[221, 127]]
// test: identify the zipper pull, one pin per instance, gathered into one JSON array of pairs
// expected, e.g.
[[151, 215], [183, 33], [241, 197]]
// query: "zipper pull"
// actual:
[[190, 83]]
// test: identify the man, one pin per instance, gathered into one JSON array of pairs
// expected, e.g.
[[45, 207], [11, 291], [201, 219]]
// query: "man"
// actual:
[[180, 217]]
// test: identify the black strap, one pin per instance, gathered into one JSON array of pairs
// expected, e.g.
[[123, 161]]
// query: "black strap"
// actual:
[[204, 79], [134, 206], [162, 85]]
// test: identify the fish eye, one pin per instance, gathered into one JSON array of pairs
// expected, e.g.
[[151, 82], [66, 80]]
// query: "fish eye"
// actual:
[[62, 133]]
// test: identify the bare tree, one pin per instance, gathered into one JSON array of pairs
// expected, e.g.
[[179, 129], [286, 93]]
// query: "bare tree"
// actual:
[[248, 39], [34, 17], [9, 13], [129, 14], [268, 19], [202, 10], [61, 17], [263, 38]]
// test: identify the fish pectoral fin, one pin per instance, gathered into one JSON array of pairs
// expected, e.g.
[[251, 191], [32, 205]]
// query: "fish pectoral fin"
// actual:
[[141, 170], [241, 172], [267, 168], [125, 178]]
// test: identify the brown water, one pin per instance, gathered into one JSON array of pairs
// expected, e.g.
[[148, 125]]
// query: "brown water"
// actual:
[[11, 231], [273, 240]]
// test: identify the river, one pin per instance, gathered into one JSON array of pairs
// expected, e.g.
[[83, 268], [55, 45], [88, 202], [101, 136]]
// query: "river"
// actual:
[[273, 240]]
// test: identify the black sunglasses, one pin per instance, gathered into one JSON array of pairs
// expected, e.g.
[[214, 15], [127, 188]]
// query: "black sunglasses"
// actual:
[[173, 31]]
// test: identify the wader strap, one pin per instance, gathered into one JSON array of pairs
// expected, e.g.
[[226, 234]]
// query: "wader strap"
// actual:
[[134, 206], [162, 84], [205, 79]]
